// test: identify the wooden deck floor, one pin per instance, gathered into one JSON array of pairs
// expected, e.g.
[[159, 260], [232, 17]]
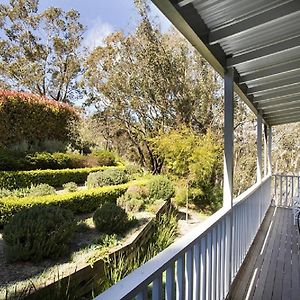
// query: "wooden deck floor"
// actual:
[[272, 267]]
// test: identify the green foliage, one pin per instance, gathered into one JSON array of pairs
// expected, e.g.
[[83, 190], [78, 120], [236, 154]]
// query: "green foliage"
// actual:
[[147, 83], [134, 199], [106, 177], [37, 233], [110, 218], [56, 178], [78, 202], [160, 187], [17, 161], [181, 193], [189, 155], [40, 49], [10, 160], [43, 189], [35, 190], [194, 158], [30, 118], [133, 169], [105, 158], [46, 160], [164, 234], [70, 186]]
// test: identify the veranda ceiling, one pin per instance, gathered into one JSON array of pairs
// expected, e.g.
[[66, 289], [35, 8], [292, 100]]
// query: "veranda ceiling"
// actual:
[[259, 38]]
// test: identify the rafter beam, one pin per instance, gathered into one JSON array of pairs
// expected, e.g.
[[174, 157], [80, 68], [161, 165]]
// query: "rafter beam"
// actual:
[[278, 114], [279, 102], [282, 109], [273, 85], [268, 16], [292, 91], [285, 121], [269, 72], [264, 52]]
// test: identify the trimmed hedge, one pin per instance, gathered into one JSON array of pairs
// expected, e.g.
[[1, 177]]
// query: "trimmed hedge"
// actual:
[[34, 119], [56, 178], [86, 201]]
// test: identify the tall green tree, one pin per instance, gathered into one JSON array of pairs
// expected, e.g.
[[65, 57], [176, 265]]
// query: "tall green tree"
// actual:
[[147, 82], [39, 50]]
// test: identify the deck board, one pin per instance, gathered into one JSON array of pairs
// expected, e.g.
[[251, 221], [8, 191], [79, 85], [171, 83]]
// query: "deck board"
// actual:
[[271, 269]]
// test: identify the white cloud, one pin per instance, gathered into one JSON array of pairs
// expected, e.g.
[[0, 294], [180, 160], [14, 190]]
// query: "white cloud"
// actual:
[[96, 34]]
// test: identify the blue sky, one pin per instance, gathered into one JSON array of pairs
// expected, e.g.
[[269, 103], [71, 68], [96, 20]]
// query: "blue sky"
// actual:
[[104, 16]]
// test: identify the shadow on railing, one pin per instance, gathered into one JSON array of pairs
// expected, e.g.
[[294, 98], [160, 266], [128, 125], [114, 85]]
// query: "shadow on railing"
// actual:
[[202, 264], [285, 188]]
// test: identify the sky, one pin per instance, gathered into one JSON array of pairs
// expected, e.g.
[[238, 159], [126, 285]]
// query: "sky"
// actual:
[[102, 17]]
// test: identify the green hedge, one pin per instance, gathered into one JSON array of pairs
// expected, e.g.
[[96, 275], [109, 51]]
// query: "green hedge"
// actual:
[[56, 178], [86, 201]]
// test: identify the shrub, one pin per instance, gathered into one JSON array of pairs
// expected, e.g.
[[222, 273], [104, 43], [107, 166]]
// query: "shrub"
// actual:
[[56, 178], [134, 199], [34, 119], [78, 202], [45, 160], [37, 233], [130, 204], [70, 186], [105, 158], [110, 218], [106, 177], [42, 190], [5, 193], [133, 169], [11, 160], [160, 187]]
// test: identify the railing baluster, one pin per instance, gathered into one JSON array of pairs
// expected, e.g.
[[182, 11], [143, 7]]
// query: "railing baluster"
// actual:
[[142, 295], [222, 273], [157, 288], [180, 282], [208, 266], [189, 274], [203, 268], [218, 266], [196, 267], [170, 282], [214, 263]]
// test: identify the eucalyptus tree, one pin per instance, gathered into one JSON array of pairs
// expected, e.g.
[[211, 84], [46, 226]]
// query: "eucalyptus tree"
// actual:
[[146, 83], [39, 50]]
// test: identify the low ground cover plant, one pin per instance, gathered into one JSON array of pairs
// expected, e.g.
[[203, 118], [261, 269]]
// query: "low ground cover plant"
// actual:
[[70, 186], [35, 190], [37, 233]]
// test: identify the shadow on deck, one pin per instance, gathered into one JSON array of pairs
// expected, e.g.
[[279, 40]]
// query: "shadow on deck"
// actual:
[[271, 269]]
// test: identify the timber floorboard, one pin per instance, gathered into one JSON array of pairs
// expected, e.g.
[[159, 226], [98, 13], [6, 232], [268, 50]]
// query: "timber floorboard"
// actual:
[[271, 270]]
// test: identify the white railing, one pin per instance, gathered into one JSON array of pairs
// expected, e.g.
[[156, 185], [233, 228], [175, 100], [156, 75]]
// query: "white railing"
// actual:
[[285, 188], [202, 264]]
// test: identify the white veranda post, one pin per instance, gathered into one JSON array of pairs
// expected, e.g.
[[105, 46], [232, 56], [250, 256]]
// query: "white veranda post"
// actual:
[[228, 170], [259, 148], [228, 139], [270, 150]]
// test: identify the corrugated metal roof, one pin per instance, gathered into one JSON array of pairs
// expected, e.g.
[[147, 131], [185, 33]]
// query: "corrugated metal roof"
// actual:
[[259, 38]]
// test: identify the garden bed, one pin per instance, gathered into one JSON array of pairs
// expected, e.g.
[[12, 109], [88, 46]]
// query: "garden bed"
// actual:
[[84, 251]]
